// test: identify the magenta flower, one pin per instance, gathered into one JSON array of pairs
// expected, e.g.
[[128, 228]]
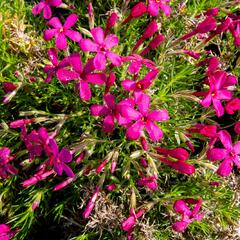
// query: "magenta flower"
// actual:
[[137, 62], [154, 5], [188, 216], [45, 6], [59, 159], [61, 31], [110, 112], [53, 69], [139, 86], [101, 46], [235, 30], [128, 224], [87, 211], [233, 106], [5, 232], [149, 182], [144, 119], [5, 167], [111, 22], [219, 83], [237, 127], [180, 155], [83, 75], [229, 154]]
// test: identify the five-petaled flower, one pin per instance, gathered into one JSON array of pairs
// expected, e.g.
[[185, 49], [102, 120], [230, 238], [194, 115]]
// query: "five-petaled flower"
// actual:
[[101, 45], [229, 154], [182, 206], [45, 6], [5, 167], [61, 31], [144, 118]]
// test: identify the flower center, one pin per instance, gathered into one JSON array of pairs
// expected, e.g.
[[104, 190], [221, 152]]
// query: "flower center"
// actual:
[[213, 94], [157, 1], [139, 86], [61, 30]]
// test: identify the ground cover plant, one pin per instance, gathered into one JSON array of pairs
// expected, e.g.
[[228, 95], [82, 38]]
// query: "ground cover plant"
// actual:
[[119, 119]]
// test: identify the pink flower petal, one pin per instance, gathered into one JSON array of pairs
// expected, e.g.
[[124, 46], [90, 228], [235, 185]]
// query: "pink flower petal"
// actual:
[[155, 133], [144, 104], [49, 34], [68, 171], [74, 35], [55, 3], [99, 110], [225, 168], [218, 107], [183, 167], [38, 8], [108, 123], [75, 61], [216, 154], [88, 45], [110, 100], [158, 115], [52, 54], [65, 75], [70, 21], [129, 112], [98, 35], [153, 8], [47, 12], [55, 23], [61, 41], [65, 155], [180, 206], [226, 140], [85, 91], [179, 153], [166, 9], [206, 102], [111, 41], [114, 58], [96, 78], [180, 226], [134, 67], [134, 132], [99, 61], [128, 85]]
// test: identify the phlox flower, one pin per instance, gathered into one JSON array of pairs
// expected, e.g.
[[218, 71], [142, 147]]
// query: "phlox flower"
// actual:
[[83, 75], [138, 87], [144, 119], [101, 46], [219, 83], [136, 63], [127, 225], [59, 159], [149, 182], [229, 154], [5, 232], [188, 215], [232, 106], [155, 5], [61, 31], [45, 7], [110, 112], [53, 68], [5, 167]]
